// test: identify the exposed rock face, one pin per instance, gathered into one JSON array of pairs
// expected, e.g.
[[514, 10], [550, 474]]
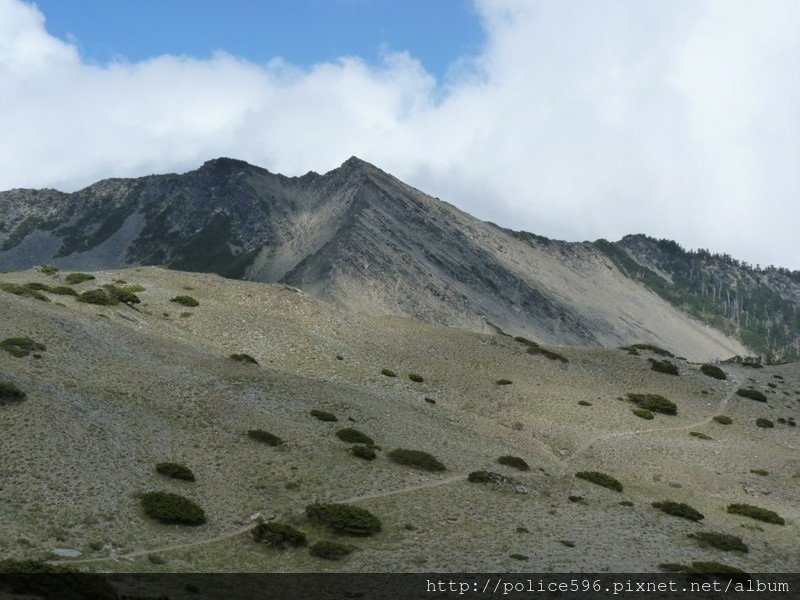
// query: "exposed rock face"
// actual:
[[357, 237]]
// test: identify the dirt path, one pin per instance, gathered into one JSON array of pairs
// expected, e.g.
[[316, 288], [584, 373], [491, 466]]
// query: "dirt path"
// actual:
[[244, 529]]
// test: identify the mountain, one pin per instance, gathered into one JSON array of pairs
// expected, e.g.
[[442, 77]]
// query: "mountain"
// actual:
[[365, 241]]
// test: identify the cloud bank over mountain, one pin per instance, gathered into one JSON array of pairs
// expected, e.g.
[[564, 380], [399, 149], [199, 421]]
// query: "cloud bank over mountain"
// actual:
[[578, 119]]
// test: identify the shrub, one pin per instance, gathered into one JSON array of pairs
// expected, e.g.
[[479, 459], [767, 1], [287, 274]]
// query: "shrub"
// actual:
[[416, 378], [653, 348], [504, 382], [700, 435], [720, 541], [21, 290], [765, 423], [644, 413], [713, 371], [35, 285], [49, 269], [584, 403], [723, 419], [354, 436], [607, 481], [98, 296], [121, 295], [345, 518], [752, 394], [21, 346], [76, 278], [515, 462], [536, 350], [762, 472], [10, 393], [323, 415], [626, 503], [757, 513], [654, 403], [416, 458], [663, 366], [329, 550], [62, 290], [365, 452], [517, 556], [134, 288], [185, 315], [278, 534], [479, 477], [388, 373], [679, 509], [175, 471], [430, 400], [264, 437], [244, 358], [185, 301], [172, 509]]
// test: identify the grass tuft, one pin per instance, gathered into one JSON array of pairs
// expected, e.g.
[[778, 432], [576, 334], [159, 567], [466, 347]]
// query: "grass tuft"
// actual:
[[416, 458], [602, 479], [679, 509]]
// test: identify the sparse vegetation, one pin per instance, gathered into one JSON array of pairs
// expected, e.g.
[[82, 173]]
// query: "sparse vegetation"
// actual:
[[76, 278], [479, 477], [517, 556], [719, 541], [713, 371], [602, 479], [49, 270], [752, 394], [722, 419], [62, 290], [538, 350], [663, 366], [700, 435], [363, 452], [514, 462], [416, 378], [344, 518], [762, 472], [323, 415], [134, 288], [175, 471], [21, 290], [584, 403], [354, 436], [329, 550], [416, 458], [9, 393], [187, 301], [122, 295], [504, 382], [172, 509], [430, 400], [20, 347], [280, 535], [265, 437], [757, 513], [388, 373], [764, 423], [244, 358], [679, 509], [97, 296], [652, 348], [644, 413], [654, 403]]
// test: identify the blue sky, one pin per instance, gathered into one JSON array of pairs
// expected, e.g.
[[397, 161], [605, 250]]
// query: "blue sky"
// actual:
[[303, 32]]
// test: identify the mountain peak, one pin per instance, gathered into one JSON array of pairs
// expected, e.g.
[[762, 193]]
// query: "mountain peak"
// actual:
[[223, 163]]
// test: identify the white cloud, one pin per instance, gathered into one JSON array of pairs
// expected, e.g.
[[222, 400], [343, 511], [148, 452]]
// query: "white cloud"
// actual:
[[580, 119]]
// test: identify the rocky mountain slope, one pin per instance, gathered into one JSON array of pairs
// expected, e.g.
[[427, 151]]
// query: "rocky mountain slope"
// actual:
[[362, 239], [112, 390]]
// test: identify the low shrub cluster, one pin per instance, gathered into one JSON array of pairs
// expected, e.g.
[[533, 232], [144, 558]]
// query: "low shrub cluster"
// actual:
[[21, 290], [653, 403], [363, 452], [97, 296], [416, 378], [720, 541], [480, 477], [584, 403], [48, 269], [602, 479], [679, 509], [354, 436], [323, 415], [765, 423], [264, 437], [329, 550], [172, 509], [344, 518], [713, 371], [9, 393], [388, 373], [722, 419], [62, 290], [185, 301], [752, 394], [700, 435], [76, 278], [644, 413], [20, 347], [514, 462], [652, 348], [175, 471], [757, 513], [539, 351], [663, 366], [244, 358], [134, 288], [504, 382], [416, 458], [122, 295], [280, 535]]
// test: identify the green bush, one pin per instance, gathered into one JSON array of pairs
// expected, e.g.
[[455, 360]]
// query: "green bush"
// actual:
[[416, 378], [10, 566], [21, 346], [21, 290], [723, 419], [584, 403], [62, 290], [388, 373], [720, 541], [652, 348], [514, 462], [278, 534], [765, 423], [607, 481], [679, 509], [175, 471], [700, 435], [538, 350], [76, 278], [762, 472], [364, 452], [344, 518], [98, 296], [185, 301], [416, 458], [10, 393], [504, 382], [35, 285], [755, 512], [264, 437], [134, 288], [644, 413], [172, 509], [480, 477], [329, 550], [713, 371], [121, 295], [244, 358], [323, 415], [49, 269], [654, 403], [752, 394], [663, 366], [354, 436], [430, 400]]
